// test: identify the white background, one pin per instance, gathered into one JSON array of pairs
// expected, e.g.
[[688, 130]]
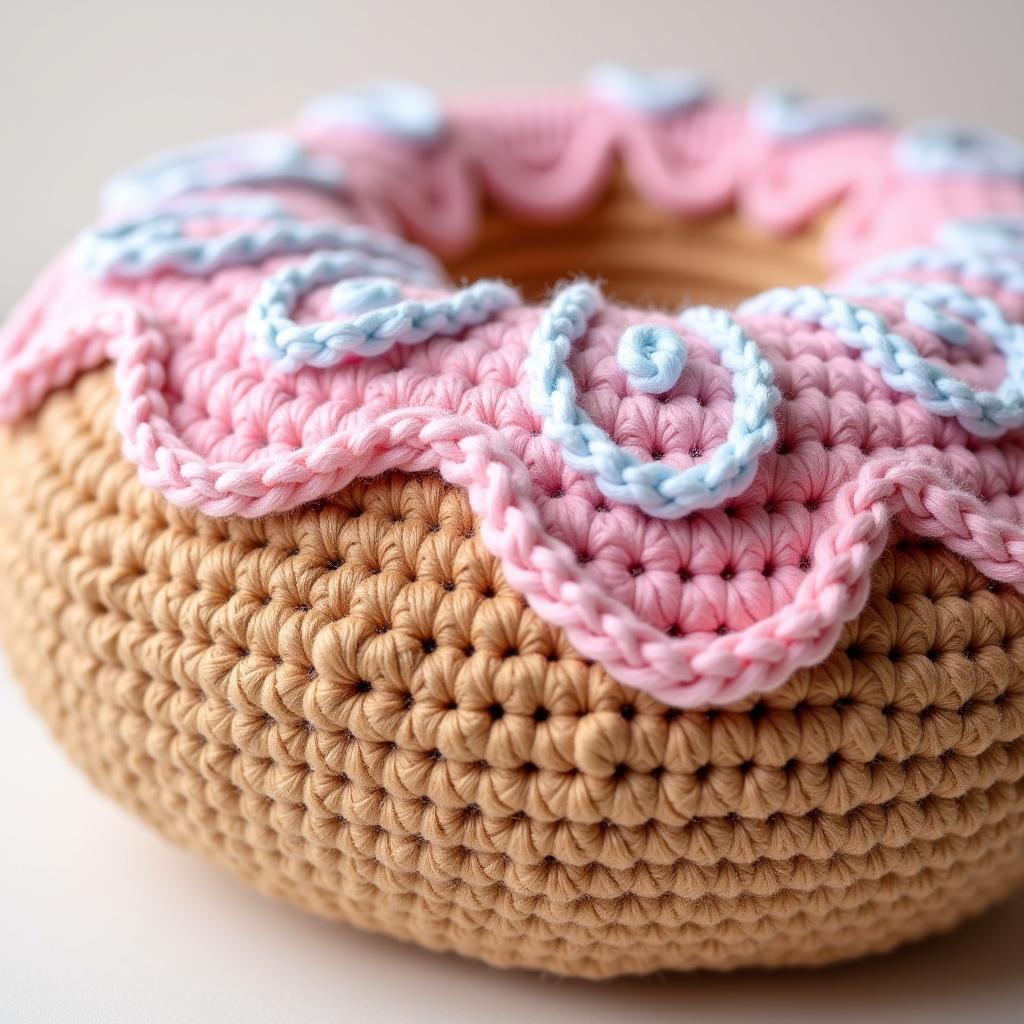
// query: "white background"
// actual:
[[102, 921]]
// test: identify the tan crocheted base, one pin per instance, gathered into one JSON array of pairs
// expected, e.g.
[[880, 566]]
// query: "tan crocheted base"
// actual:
[[351, 709]]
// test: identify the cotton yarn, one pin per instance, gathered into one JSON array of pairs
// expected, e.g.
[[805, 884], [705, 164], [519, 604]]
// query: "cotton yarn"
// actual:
[[351, 708], [503, 617]]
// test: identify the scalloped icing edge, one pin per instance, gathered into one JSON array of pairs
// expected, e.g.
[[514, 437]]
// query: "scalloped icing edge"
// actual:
[[681, 671]]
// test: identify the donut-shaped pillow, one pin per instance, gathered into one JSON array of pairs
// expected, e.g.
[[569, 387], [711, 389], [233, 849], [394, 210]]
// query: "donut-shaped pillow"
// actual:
[[582, 532]]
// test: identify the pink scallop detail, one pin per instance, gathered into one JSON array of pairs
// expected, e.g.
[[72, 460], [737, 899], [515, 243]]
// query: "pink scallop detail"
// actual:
[[702, 609]]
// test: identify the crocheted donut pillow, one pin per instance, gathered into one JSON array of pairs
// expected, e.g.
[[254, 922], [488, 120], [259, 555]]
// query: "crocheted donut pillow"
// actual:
[[506, 618]]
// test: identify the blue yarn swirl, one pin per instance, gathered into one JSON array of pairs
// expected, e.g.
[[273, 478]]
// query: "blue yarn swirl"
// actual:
[[361, 294], [402, 110], [157, 241], [369, 268], [927, 305], [658, 489], [902, 367], [947, 148], [997, 270], [789, 115], [652, 356], [239, 160], [290, 346], [986, 235], [651, 92]]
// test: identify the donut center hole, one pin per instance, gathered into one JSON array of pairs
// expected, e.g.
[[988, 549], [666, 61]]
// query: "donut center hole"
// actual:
[[642, 255]]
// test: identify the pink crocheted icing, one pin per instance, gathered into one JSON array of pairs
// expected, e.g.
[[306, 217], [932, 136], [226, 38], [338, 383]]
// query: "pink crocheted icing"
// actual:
[[702, 609]]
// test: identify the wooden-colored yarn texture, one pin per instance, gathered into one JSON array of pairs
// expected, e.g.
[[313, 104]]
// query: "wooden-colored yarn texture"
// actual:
[[350, 708]]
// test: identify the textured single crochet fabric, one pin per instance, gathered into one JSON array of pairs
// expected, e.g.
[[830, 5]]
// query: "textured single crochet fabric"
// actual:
[[352, 709], [709, 607], [367, 609]]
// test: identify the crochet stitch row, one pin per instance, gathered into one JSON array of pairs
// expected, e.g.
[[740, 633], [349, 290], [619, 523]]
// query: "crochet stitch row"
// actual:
[[785, 114], [147, 244], [995, 266], [406, 111], [897, 359], [158, 240], [653, 92], [928, 305], [402, 110], [685, 671], [518, 805], [1002, 233], [944, 147], [196, 418], [290, 345], [261, 159]]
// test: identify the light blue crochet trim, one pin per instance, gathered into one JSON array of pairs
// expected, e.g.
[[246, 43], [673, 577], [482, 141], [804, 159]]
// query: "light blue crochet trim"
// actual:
[[159, 241], [360, 294], [291, 346], [991, 235], [927, 305], [788, 115], [658, 489], [651, 92], [997, 270], [985, 413], [402, 110], [221, 163], [943, 147]]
